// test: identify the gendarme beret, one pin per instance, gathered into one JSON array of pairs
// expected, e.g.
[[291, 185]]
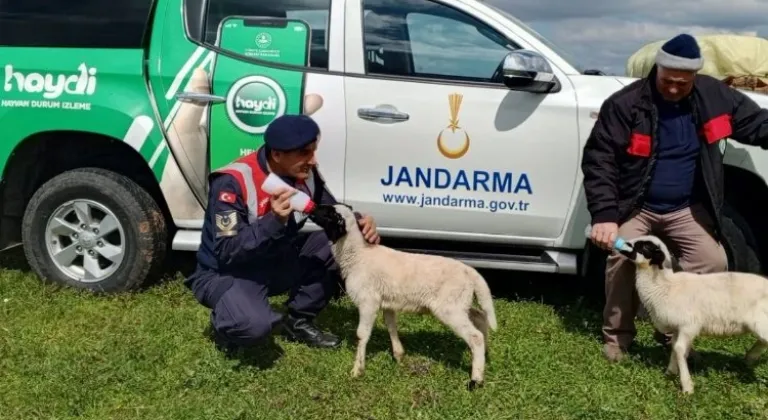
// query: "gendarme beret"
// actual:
[[291, 132]]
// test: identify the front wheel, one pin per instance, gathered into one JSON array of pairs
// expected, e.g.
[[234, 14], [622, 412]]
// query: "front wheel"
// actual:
[[94, 229]]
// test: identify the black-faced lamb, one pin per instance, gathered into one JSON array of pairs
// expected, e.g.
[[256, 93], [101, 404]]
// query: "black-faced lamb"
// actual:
[[377, 277], [690, 304]]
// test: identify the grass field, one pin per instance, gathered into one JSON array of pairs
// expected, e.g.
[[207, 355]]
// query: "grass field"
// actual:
[[146, 356]]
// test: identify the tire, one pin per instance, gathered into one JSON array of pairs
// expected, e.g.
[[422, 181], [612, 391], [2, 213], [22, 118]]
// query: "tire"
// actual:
[[740, 243], [140, 232]]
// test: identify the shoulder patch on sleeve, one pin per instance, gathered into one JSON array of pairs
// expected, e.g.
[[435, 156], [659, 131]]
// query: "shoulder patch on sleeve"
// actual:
[[226, 223], [228, 197]]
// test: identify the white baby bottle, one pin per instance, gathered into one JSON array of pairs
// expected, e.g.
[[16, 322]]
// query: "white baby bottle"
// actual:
[[300, 201]]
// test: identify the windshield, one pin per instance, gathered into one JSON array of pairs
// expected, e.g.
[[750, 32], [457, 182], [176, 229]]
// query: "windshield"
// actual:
[[499, 6]]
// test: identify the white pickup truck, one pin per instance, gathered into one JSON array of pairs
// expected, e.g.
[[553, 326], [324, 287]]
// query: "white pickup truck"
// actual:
[[458, 127]]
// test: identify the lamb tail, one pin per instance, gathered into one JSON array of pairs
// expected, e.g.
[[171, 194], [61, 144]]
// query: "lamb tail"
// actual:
[[484, 298]]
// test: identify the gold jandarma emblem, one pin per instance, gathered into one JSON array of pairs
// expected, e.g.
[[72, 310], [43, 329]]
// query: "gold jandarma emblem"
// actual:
[[226, 224], [457, 139]]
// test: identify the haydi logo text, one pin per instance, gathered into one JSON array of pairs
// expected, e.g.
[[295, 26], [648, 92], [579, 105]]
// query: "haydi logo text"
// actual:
[[50, 85]]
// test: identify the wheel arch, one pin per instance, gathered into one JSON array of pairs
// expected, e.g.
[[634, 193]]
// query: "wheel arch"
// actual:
[[747, 193], [41, 156]]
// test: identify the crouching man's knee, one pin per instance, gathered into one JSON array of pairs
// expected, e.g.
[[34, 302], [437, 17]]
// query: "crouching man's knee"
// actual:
[[244, 332], [244, 327]]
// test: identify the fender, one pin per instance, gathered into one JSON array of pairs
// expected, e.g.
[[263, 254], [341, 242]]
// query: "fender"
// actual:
[[752, 159]]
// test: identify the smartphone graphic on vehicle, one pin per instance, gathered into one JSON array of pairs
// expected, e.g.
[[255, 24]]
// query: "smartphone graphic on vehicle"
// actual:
[[255, 94]]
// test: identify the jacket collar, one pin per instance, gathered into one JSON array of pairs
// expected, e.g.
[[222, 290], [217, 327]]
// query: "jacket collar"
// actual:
[[261, 157], [646, 91]]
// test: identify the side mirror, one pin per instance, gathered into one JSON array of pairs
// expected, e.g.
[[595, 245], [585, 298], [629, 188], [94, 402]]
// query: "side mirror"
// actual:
[[528, 71]]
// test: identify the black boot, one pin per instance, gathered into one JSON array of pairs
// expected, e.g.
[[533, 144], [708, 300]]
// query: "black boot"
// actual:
[[304, 331]]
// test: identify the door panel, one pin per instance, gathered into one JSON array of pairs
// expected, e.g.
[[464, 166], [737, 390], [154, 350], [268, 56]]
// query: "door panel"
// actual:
[[178, 65], [213, 96], [435, 142]]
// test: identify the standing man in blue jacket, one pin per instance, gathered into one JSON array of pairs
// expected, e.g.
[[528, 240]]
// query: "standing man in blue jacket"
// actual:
[[652, 165], [252, 248]]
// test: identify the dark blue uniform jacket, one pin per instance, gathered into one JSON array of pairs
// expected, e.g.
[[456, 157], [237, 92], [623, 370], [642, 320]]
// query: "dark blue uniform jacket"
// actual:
[[237, 249]]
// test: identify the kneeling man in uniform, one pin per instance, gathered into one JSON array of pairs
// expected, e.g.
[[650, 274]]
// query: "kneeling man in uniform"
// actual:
[[252, 248]]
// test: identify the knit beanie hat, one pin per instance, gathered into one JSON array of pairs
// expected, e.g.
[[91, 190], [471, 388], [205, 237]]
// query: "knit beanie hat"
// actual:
[[680, 53]]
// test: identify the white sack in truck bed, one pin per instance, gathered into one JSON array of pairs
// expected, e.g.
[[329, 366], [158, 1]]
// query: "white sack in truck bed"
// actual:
[[739, 60]]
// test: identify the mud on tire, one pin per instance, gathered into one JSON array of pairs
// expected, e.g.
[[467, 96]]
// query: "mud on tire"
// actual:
[[53, 224]]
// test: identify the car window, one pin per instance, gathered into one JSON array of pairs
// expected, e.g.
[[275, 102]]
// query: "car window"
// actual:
[[315, 12], [426, 39], [74, 23]]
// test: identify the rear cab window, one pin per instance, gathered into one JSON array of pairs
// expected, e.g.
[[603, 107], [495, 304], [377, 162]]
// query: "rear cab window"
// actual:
[[74, 23]]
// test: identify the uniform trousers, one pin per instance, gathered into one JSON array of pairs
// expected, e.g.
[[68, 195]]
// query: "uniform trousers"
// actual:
[[242, 314]]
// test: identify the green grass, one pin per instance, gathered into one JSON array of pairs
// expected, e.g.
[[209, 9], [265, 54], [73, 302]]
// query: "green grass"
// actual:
[[65, 354]]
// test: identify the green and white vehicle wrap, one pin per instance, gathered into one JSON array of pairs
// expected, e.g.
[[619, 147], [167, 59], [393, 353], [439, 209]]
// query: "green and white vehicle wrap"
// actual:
[[449, 121]]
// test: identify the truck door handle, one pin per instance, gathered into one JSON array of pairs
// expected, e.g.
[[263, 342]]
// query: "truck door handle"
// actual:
[[199, 97], [382, 113]]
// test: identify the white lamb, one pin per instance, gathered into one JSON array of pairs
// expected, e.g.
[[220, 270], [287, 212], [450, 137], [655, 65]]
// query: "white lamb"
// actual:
[[689, 304], [377, 277]]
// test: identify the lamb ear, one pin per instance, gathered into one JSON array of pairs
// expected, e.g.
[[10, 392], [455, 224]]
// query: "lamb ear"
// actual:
[[658, 258], [675, 264], [335, 231]]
